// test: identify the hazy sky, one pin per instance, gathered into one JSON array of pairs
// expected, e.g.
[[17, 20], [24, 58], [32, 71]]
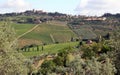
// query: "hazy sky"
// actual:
[[83, 7]]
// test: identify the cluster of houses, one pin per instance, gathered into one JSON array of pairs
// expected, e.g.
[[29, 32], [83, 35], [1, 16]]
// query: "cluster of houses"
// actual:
[[85, 20], [95, 18]]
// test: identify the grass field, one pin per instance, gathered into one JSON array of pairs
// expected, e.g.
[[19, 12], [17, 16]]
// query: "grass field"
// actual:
[[43, 33], [21, 28], [50, 32], [49, 49], [44, 30]]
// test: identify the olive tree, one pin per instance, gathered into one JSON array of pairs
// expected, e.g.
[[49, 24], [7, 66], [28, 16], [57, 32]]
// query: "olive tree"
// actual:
[[11, 62], [92, 66]]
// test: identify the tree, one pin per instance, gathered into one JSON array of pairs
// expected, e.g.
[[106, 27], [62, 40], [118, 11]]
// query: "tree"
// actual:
[[92, 67], [11, 62], [47, 67], [88, 51], [117, 56], [63, 58], [37, 48]]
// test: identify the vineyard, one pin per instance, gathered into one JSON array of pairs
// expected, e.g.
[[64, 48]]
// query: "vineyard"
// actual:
[[42, 34]]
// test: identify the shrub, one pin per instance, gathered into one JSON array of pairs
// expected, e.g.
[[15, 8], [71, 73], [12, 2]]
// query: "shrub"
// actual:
[[92, 67], [47, 67]]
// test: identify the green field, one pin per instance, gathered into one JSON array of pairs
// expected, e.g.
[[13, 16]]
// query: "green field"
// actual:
[[21, 28], [44, 31], [49, 33], [49, 49]]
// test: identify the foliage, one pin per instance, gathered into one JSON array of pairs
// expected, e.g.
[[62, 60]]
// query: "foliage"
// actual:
[[89, 50], [62, 58], [66, 63], [59, 60], [92, 67], [116, 52], [11, 62], [94, 49], [47, 67], [69, 58], [52, 48], [105, 49]]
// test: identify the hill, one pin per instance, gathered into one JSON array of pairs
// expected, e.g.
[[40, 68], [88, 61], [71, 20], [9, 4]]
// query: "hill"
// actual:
[[57, 27], [45, 33]]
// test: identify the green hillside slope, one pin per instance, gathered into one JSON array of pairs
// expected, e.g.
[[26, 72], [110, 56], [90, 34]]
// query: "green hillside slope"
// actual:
[[50, 32]]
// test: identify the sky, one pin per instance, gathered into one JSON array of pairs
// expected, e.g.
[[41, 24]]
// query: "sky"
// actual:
[[74, 7]]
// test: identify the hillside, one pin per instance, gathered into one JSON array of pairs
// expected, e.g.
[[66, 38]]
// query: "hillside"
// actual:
[[57, 27], [93, 27], [47, 33], [59, 44], [48, 49]]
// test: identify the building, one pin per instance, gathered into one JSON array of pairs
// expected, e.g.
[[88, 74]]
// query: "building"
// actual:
[[95, 19]]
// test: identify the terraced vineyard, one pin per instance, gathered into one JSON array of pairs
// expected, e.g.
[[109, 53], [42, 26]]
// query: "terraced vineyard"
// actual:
[[85, 32], [92, 31]]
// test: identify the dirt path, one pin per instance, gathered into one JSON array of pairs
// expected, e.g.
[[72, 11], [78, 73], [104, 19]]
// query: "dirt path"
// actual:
[[39, 63], [27, 31], [52, 38]]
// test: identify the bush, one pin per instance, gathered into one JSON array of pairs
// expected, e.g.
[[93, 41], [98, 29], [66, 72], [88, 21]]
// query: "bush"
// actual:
[[88, 51], [60, 61], [47, 67], [105, 49], [92, 67]]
